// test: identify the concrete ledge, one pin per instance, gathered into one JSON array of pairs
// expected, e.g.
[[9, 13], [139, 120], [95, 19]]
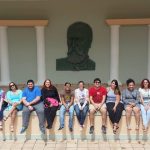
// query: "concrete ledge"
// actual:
[[33, 131]]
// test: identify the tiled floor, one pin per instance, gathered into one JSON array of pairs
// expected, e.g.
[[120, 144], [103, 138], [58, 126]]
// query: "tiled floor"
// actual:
[[74, 145]]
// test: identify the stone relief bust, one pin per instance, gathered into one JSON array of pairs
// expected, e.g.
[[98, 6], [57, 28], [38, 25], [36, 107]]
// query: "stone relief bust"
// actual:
[[79, 39]]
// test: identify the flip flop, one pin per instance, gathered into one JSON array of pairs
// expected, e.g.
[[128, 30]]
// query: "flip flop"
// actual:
[[5, 118]]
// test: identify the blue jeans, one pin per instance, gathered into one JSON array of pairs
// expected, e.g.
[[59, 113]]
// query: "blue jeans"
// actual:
[[145, 116], [1, 114], [62, 112], [81, 114]]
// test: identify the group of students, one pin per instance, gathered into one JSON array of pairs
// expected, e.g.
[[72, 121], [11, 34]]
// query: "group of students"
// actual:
[[47, 101]]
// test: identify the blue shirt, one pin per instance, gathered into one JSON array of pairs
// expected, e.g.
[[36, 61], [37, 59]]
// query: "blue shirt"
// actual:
[[30, 95], [13, 97]]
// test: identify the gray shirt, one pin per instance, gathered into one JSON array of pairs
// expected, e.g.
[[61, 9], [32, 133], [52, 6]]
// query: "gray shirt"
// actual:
[[131, 97]]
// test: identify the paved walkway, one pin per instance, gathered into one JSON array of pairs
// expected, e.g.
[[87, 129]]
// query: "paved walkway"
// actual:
[[74, 145]]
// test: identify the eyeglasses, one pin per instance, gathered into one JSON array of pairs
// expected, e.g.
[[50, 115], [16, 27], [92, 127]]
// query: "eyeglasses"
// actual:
[[30, 84], [97, 82], [12, 85]]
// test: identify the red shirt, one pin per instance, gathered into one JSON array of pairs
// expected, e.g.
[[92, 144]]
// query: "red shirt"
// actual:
[[97, 93]]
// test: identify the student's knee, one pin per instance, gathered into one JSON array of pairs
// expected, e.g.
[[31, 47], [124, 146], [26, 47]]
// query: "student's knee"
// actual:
[[40, 111], [136, 110], [92, 112], [128, 109], [26, 111], [103, 110]]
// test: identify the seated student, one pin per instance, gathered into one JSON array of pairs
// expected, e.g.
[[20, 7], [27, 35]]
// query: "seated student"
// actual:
[[2, 97], [51, 102], [81, 103], [131, 100], [114, 104], [145, 102], [31, 99], [97, 99], [67, 99], [13, 97]]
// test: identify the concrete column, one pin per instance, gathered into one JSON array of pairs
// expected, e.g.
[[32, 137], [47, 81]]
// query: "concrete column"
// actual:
[[114, 53], [148, 66], [4, 58], [40, 37]]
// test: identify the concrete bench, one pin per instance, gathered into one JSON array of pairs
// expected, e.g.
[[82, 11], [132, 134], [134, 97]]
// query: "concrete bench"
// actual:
[[33, 131]]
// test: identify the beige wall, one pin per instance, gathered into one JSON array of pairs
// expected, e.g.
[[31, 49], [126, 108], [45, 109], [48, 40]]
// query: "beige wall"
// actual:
[[62, 13]]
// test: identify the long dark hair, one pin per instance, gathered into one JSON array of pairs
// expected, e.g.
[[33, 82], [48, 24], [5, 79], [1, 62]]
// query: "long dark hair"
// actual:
[[142, 83], [51, 86], [117, 90], [14, 85]]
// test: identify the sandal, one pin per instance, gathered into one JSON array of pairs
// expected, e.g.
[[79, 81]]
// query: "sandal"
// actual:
[[137, 127], [5, 118], [12, 128], [128, 127], [145, 129], [115, 129]]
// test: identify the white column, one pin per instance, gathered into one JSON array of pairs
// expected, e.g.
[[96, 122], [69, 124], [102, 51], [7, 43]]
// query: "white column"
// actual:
[[4, 58], [40, 37], [114, 53], [148, 66]]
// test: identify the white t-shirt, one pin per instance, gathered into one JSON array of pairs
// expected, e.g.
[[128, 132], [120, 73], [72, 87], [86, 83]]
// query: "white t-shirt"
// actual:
[[145, 94], [81, 95]]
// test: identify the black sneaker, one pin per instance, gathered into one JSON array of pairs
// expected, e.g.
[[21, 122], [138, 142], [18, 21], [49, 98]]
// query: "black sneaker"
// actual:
[[103, 128], [70, 129], [60, 128], [49, 127], [23, 130], [91, 130]]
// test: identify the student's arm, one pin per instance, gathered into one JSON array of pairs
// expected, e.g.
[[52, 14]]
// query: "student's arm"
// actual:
[[63, 101], [137, 101], [24, 101], [117, 101], [71, 101], [103, 101], [37, 99], [57, 95], [125, 101], [92, 102], [8, 98], [1, 102], [20, 97]]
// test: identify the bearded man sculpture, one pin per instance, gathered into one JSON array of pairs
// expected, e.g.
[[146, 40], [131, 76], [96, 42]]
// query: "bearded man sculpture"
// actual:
[[79, 39]]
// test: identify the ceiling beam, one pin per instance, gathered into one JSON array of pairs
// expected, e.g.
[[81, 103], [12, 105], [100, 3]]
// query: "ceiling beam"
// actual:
[[144, 21], [23, 23]]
